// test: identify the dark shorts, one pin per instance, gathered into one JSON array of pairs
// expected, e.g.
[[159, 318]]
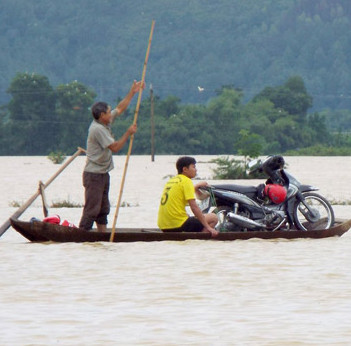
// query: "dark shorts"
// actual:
[[192, 224]]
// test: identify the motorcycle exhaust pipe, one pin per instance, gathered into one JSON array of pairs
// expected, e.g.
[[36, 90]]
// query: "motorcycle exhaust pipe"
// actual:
[[243, 221]]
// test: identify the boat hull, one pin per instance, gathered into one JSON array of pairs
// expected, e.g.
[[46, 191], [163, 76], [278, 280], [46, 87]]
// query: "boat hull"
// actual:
[[38, 231]]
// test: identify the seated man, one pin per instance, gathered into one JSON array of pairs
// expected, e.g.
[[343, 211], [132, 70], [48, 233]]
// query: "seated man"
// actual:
[[178, 192]]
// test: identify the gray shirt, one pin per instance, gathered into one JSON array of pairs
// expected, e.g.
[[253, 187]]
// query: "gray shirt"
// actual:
[[99, 156]]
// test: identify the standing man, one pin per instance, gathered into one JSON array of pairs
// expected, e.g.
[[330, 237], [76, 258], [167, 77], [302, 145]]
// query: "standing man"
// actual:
[[178, 192], [100, 146]]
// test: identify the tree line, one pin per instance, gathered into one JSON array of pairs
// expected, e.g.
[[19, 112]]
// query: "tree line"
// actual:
[[40, 119]]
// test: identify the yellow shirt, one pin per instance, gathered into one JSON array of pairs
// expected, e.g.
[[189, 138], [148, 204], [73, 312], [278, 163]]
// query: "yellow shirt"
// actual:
[[176, 194]]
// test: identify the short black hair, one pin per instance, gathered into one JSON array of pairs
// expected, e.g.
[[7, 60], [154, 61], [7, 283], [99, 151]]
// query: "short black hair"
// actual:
[[184, 161], [98, 108]]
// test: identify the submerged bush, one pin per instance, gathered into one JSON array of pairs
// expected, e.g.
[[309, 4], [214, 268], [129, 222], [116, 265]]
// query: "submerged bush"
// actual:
[[65, 204], [233, 169], [57, 157]]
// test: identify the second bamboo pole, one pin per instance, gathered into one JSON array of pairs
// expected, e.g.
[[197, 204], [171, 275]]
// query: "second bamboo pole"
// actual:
[[132, 136]]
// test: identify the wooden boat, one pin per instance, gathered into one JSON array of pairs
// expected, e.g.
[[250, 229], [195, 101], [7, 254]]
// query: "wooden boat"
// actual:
[[38, 231]]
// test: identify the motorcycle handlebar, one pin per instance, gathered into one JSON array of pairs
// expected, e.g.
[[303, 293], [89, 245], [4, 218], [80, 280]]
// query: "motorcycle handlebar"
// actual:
[[272, 167]]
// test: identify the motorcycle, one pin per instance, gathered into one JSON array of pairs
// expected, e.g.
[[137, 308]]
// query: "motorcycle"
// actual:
[[281, 203]]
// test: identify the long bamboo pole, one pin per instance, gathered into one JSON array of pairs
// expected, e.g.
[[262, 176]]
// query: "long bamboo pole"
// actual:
[[21, 210], [132, 136]]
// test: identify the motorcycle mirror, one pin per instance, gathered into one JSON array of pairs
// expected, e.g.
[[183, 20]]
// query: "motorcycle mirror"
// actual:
[[254, 165]]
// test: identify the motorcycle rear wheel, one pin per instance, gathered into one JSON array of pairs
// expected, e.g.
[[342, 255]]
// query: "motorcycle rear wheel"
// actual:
[[323, 217]]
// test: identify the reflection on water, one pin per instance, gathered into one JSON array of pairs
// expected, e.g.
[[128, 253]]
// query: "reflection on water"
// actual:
[[255, 292]]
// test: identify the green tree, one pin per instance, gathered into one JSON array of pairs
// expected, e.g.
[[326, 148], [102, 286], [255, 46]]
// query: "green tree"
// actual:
[[291, 97], [249, 144], [317, 124], [260, 117], [285, 132], [224, 118], [32, 119], [73, 115]]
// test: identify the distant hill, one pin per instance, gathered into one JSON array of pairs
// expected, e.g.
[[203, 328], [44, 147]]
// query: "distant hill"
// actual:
[[249, 44]]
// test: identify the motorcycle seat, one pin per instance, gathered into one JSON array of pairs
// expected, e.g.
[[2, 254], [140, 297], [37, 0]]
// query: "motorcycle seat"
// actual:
[[237, 188]]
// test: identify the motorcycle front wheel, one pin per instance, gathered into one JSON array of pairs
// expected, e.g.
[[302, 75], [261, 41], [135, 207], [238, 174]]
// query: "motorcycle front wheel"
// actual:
[[319, 215]]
